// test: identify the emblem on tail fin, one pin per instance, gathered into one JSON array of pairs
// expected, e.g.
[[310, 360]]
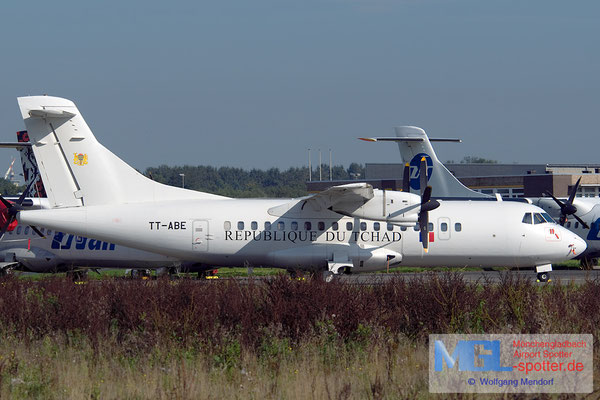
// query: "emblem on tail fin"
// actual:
[[80, 159], [414, 170]]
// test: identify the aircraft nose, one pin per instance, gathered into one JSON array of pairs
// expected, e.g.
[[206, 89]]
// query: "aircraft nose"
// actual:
[[576, 245]]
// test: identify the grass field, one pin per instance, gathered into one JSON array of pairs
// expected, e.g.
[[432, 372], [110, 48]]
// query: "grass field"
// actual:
[[281, 339]]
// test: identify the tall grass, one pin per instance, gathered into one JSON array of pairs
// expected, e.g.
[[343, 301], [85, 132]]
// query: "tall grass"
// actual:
[[279, 338]]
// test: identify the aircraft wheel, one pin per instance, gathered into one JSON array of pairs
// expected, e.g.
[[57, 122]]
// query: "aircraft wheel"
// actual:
[[328, 276], [542, 277], [77, 275]]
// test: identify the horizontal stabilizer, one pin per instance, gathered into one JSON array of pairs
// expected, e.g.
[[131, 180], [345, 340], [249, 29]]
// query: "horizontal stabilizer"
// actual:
[[409, 139], [14, 145]]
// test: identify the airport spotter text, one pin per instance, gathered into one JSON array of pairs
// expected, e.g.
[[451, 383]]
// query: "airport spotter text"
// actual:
[[547, 366], [157, 225], [311, 236], [550, 345]]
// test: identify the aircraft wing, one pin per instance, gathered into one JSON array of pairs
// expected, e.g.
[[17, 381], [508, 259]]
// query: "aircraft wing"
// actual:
[[349, 196]]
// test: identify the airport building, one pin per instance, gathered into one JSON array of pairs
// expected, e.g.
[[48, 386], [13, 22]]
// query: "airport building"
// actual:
[[508, 180]]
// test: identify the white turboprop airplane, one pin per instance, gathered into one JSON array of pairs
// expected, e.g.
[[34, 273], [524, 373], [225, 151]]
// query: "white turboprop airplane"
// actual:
[[414, 145], [24, 250], [345, 228]]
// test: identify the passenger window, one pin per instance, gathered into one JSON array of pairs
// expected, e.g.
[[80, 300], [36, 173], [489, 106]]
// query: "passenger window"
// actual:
[[390, 227], [538, 219], [19, 229], [280, 225], [240, 225], [363, 226], [307, 226], [568, 224], [444, 227], [49, 232], [267, 226], [376, 226], [403, 228], [26, 232], [430, 227], [527, 218], [416, 228], [321, 225], [335, 226], [294, 226], [576, 225], [349, 226], [227, 225], [458, 227], [254, 225], [42, 230]]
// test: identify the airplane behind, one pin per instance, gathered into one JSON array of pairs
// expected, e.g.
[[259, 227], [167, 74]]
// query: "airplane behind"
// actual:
[[23, 250], [347, 228], [414, 144]]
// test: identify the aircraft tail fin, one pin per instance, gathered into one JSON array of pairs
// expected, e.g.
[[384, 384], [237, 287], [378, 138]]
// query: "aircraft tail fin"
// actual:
[[414, 144], [76, 169], [30, 168]]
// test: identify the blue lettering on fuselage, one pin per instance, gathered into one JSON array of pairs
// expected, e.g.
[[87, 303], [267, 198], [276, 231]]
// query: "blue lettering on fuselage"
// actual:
[[64, 241], [594, 230]]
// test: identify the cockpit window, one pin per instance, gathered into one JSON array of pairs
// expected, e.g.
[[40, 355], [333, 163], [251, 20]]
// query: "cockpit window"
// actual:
[[538, 219], [527, 218], [548, 218]]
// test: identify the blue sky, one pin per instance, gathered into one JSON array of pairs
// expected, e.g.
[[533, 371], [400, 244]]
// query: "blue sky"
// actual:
[[256, 83]]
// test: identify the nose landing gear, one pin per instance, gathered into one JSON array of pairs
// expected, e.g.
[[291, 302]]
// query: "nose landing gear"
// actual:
[[543, 272]]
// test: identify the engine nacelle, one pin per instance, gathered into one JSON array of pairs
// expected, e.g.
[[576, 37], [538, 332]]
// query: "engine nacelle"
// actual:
[[389, 206]]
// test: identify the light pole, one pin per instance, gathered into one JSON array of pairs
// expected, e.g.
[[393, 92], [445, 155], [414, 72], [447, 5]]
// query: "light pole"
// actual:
[[182, 180]]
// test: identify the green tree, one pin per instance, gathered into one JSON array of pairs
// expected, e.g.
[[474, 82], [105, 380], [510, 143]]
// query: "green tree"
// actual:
[[477, 160]]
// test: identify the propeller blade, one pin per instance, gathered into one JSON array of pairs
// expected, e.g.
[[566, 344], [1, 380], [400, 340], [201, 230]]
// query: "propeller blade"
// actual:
[[24, 194], [423, 175], [426, 195], [7, 203], [582, 222], [424, 227], [574, 192], [560, 203], [406, 178], [36, 230]]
